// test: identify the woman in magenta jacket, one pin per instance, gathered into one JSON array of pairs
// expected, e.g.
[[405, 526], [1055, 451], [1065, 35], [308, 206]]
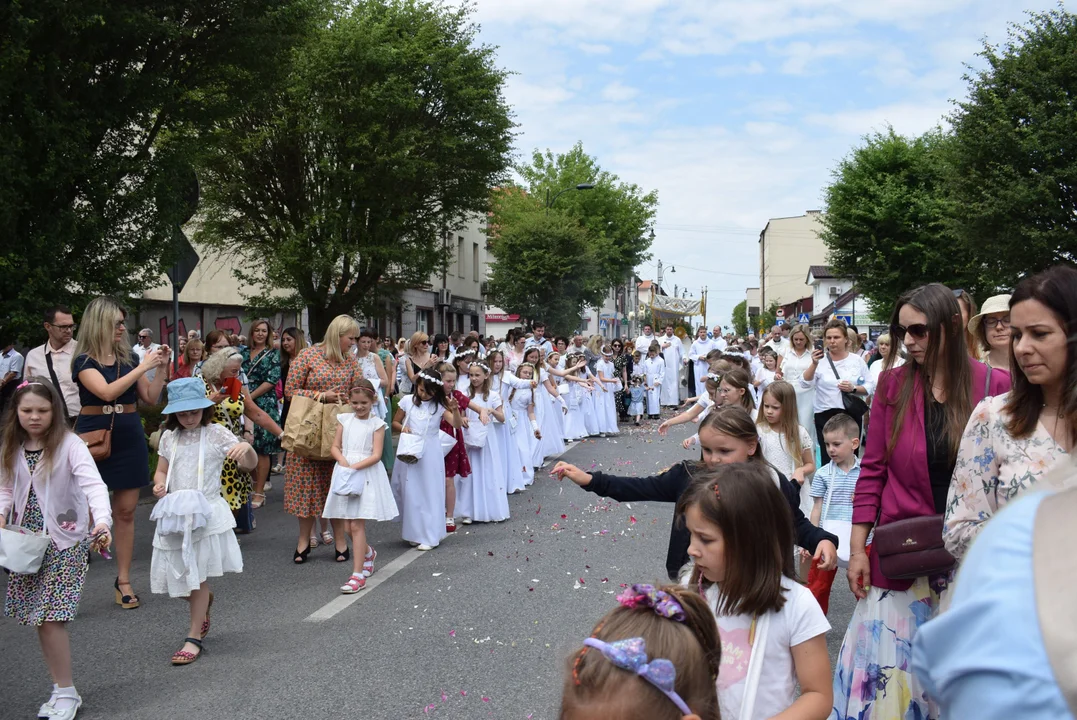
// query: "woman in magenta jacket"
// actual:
[[917, 420]]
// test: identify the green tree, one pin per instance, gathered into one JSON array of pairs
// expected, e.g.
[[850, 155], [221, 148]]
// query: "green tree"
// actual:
[[342, 187], [885, 223], [617, 215], [103, 105], [544, 269], [740, 318], [614, 217], [766, 320], [1013, 175]]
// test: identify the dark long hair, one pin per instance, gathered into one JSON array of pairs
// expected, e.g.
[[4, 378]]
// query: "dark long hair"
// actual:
[[1057, 289], [300, 344], [437, 392], [947, 358]]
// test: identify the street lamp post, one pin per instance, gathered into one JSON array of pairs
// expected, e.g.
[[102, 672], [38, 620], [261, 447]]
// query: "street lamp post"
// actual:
[[550, 201]]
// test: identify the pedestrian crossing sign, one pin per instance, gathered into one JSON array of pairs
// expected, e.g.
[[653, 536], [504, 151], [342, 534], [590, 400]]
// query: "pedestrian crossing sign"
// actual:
[[804, 318]]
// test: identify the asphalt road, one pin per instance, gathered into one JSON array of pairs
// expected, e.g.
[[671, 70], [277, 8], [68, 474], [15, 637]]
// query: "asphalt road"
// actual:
[[479, 628]]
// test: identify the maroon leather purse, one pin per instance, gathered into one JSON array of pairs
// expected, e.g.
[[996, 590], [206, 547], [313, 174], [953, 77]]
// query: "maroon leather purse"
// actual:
[[912, 548]]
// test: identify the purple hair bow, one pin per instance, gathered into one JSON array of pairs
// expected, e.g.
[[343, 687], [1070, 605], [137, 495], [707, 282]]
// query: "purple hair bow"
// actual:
[[631, 655], [648, 596]]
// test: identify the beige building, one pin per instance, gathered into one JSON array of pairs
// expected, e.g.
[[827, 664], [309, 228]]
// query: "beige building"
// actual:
[[787, 247]]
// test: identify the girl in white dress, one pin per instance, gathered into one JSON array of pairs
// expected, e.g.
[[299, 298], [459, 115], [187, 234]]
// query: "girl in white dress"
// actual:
[[512, 463], [607, 387], [482, 496], [419, 487], [528, 434], [359, 489], [654, 371], [785, 442], [575, 425], [765, 374], [194, 539], [553, 422]]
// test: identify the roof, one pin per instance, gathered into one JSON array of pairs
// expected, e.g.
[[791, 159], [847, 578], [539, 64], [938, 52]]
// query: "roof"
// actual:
[[820, 272], [645, 285], [840, 301]]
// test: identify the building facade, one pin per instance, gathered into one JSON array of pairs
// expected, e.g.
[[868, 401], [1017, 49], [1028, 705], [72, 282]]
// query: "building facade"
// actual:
[[786, 247], [836, 297]]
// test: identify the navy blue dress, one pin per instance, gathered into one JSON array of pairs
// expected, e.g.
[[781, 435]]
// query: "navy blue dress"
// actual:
[[127, 467]]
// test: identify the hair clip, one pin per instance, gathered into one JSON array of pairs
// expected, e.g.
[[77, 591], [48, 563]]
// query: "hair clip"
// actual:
[[430, 378], [715, 377], [25, 383], [717, 492], [648, 596], [631, 655]]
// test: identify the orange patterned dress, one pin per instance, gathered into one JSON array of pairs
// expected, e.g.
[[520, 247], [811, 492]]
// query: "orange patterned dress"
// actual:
[[306, 481]]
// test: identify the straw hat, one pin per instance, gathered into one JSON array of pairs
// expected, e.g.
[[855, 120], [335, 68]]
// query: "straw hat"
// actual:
[[993, 304]]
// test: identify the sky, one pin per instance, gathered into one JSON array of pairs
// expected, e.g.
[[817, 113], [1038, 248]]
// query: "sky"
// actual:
[[735, 111]]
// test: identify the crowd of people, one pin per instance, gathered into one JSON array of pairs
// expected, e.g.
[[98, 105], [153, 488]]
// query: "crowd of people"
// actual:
[[818, 449]]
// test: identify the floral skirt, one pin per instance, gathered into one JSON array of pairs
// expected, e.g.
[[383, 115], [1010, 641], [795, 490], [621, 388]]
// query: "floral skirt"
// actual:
[[51, 594], [873, 679]]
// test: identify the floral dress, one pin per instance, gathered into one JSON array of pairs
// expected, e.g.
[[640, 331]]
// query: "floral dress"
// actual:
[[264, 368], [993, 468], [306, 481], [53, 593], [235, 483]]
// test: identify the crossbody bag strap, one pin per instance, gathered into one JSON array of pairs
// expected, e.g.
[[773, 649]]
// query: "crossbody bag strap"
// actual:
[[833, 367], [987, 382], [55, 380]]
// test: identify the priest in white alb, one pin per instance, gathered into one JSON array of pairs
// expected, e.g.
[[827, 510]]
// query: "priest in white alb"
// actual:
[[673, 353]]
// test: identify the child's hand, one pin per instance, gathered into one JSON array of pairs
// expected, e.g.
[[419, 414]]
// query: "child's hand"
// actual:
[[663, 428], [238, 451], [102, 538], [451, 405], [356, 466], [159, 490], [538, 434], [563, 470], [484, 417], [534, 383], [798, 476], [464, 423], [688, 443], [405, 429]]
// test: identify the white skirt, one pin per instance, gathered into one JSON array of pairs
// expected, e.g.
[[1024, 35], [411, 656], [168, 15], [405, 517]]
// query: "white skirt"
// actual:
[[575, 424], [482, 495], [590, 417], [214, 551], [512, 466], [529, 445], [553, 427], [607, 407], [374, 503]]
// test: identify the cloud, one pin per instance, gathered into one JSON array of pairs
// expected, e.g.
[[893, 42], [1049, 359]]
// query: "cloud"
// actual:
[[905, 118], [617, 92], [592, 49], [753, 68]]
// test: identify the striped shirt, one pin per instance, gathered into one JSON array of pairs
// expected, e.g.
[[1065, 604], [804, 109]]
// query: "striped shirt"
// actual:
[[840, 485]]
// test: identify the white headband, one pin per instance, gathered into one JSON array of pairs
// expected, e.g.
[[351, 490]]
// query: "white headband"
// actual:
[[430, 378], [479, 364]]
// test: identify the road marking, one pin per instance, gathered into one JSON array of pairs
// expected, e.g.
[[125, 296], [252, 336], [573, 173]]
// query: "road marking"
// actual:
[[343, 602], [338, 605]]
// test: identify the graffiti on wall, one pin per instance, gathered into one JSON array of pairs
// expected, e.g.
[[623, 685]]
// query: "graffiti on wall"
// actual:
[[205, 318]]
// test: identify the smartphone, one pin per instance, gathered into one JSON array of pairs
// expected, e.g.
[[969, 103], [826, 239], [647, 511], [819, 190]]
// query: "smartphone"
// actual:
[[819, 344]]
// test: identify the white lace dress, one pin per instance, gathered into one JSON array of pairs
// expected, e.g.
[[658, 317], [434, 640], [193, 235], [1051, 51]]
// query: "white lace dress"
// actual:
[[194, 539]]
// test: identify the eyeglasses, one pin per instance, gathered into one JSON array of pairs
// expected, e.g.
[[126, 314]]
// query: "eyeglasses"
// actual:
[[120, 324], [65, 328], [918, 331], [993, 322]]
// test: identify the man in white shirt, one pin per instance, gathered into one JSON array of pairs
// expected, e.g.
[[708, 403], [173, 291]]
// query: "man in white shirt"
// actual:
[[643, 342], [145, 345], [60, 350], [717, 341], [777, 342], [538, 338], [672, 350], [11, 365]]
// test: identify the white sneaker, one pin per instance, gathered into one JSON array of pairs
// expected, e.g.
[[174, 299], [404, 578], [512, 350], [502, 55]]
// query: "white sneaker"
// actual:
[[269, 485], [424, 547], [466, 521]]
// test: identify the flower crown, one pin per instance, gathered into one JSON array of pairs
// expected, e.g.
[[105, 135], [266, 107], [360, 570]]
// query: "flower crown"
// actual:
[[430, 378], [484, 366], [715, 377]]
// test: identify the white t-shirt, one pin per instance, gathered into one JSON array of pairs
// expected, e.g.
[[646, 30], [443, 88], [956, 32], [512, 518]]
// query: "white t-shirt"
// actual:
[[799, 620], [827, 395], [776, 452]]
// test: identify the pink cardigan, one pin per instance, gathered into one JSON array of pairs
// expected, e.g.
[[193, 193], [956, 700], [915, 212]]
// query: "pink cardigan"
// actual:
[[75, 488], [901, 483]]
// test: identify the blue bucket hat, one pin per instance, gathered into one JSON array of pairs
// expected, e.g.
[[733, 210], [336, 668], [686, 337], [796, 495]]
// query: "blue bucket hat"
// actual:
[[186, 394]]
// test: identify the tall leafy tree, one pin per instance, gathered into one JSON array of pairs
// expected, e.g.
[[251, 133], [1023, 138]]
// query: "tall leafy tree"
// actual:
[[614, 218], [544, 269], [1013, 174], [740, 318], [102, 107], [885, 223], [341, 188]]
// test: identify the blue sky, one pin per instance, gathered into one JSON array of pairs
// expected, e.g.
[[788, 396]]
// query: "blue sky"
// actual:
[[735, 111]]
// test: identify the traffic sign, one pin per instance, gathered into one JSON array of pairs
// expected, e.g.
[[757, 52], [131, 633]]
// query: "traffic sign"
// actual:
[[847, 318], [804, 318], [779, 321], [780, 312]]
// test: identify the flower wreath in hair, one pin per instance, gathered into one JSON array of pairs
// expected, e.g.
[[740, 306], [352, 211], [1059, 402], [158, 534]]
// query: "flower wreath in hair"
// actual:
[[715, 377], [430, 378], [483, 366], [464, 353]]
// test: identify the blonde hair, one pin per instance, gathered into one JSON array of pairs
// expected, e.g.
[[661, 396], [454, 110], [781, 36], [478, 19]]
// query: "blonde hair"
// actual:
[[341, 325], [214, 366], [802, 330], [416, 338], [788, 422], [97, 332]]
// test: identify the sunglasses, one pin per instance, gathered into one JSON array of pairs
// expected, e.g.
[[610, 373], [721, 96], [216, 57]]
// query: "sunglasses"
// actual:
[[918, 331]]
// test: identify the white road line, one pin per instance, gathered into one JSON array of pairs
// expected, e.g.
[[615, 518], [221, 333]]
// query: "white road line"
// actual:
[[338, 605], [345, 601]]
